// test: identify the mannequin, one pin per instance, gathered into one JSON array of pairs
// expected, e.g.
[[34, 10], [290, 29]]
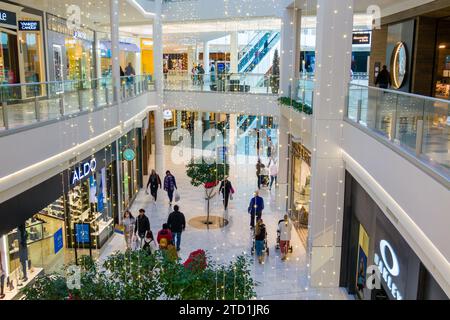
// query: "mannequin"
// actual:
[[23, 251], [2, 276]]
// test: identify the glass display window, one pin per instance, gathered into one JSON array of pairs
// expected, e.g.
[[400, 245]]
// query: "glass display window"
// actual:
[[300, 188], [9, 64]]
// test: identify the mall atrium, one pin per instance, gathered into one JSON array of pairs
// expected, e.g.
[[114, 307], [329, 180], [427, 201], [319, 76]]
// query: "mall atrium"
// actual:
[[273, 149]]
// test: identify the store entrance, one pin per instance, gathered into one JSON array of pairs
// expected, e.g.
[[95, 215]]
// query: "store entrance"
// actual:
[[9, 61]]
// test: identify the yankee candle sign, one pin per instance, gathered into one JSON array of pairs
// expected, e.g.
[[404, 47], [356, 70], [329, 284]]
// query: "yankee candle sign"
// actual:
[[29, 26]]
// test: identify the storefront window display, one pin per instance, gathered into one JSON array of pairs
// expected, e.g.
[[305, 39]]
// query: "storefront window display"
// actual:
[[300, 187], [9, 62], [147, 56], [77, 47], [91, 198], [128, 54], [45, 242], [21, 51]]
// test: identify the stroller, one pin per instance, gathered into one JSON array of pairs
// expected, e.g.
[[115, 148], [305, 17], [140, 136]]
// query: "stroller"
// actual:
[[266, 247], [291, 249]]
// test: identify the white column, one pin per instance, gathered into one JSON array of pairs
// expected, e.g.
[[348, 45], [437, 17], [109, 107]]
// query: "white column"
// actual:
[[234, 51], [98, 57], [159, 141], [282, 190], [158, 75], [232, 147], [114, 22], [290, 52], [191, 59], [206, 56], [158, 49], [198, 136], [334, 21]]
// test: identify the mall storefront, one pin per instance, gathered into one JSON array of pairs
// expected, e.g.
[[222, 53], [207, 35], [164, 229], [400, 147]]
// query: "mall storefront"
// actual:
[[71, 51], [370, 239], [42, 228], [21, 49], [300, 193]]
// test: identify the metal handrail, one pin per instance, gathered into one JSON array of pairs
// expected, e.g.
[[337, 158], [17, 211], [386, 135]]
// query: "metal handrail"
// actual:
[[413, 95]]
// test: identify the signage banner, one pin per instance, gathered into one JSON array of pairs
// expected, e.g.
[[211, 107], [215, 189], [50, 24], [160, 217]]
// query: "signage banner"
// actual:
[[82, 233], [58, 240], [361, 38], [29, 26], [129, 154], [8, 18]]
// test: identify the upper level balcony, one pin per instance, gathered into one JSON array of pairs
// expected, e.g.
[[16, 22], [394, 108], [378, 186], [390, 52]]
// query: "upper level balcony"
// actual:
[[32, 104], [415, 126]]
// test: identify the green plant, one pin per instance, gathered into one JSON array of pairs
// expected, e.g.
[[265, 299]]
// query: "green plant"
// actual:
[[296, 105], [135, 275], [207, 172]]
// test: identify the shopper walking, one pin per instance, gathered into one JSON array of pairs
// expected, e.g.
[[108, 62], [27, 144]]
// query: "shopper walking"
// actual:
[[165, 234], [259, 168], [177, 224], [149, 244], [269, 147], [226, 188], [170, 185], [142, 226], [273, 171], [384, 78], [285, 227], [260, 239], [154, 182], [128, 228], [255, 208]]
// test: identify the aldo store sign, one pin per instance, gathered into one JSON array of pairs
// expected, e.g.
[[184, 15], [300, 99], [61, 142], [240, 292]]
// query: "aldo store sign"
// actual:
[[388, 265], [83, 170], [8, 18]]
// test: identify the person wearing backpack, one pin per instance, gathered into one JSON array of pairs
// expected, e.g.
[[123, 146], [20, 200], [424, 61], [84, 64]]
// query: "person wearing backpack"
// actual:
[[154, 182], [149, 244]]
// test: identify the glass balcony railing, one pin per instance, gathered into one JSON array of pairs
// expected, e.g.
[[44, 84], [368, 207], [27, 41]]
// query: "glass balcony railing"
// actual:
[[26, 104], [417, 124], [231, 82]]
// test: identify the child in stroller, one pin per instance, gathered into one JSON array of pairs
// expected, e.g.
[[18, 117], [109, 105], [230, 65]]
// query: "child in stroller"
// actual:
[[260, 241], [291, 249]]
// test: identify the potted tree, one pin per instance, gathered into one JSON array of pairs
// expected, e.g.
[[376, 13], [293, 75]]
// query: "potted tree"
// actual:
[[275, 77], [207, 174]]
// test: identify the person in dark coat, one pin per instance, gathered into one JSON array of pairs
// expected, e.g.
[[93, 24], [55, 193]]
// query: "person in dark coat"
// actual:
[[177, 224], [170, 184], [142, 225], [255, 208], [383, 79], [154, 181], [226, 188]]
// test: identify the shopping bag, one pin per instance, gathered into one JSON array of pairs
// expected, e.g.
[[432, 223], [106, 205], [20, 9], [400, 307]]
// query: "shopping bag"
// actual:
[[176, 196]]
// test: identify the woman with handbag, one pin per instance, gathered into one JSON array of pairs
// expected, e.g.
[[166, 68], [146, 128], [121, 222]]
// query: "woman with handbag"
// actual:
[[154, 182], [128, 227], [226, 188], [170, 185]]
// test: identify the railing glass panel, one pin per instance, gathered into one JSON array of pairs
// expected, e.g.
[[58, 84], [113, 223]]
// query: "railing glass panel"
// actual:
[[26, 104], [417, 124]]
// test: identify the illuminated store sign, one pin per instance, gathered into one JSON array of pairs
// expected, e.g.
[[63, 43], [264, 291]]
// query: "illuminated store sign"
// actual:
[[167, 114], [83, 170], [9, 18], [29, 26], [389, 268], [361, 38]]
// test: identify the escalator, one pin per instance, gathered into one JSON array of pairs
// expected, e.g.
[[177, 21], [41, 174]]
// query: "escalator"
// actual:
[[254, 55]]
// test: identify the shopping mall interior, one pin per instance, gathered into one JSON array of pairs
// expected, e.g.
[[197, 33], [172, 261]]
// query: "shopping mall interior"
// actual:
[[305, 142]]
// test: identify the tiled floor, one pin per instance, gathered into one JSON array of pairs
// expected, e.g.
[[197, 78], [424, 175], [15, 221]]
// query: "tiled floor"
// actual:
[[276, 279]]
